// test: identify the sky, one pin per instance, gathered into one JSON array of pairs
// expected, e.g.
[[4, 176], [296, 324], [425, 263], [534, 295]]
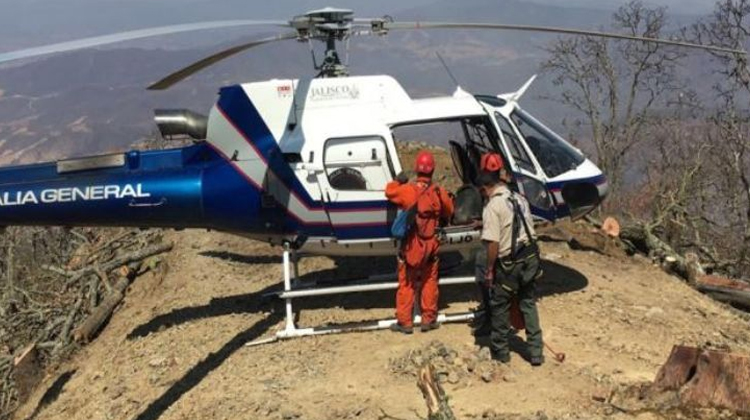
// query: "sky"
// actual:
[[690, 7], [29, 23]]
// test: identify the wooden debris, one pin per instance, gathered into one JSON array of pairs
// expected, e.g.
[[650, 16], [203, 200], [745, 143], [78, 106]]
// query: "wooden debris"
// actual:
[[725, 290], [78, 268], [611, 227], [101, 313], [582, 236], [434, 396], [645, 241], [707, 378]]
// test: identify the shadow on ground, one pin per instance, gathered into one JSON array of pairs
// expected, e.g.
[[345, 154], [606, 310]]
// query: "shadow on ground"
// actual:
[[53, 392], [196, 374], [557, 279], [238, 304]]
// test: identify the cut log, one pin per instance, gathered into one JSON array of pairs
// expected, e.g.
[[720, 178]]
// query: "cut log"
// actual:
[[707, 378], [101, 313], [725, 290], [611, 227], [434, 396]]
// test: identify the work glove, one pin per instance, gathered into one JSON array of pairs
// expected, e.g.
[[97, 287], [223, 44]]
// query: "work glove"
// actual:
[[402, 178]]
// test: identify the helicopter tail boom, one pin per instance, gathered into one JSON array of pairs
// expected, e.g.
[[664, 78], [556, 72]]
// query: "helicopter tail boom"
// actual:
[[178, 188]]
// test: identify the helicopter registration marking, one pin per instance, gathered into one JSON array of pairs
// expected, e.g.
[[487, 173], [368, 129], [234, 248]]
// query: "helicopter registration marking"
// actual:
[[71, 194]]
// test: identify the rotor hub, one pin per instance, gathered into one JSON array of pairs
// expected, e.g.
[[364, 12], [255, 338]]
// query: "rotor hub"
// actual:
[[328, 25]]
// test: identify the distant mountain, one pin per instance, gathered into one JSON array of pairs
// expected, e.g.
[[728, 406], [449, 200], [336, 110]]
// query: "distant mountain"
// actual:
[[93, 101]]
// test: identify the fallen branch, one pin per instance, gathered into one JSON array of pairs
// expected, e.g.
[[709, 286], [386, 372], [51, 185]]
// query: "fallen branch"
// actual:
[[121, 260], [65, 332], [101, 313], [645, 241]]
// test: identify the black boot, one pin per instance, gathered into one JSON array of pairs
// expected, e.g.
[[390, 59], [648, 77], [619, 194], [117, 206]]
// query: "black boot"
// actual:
[[537, 360], [396, 327]]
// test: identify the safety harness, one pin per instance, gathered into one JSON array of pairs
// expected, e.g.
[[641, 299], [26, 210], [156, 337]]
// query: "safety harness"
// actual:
[[513, 265], [518, 220]]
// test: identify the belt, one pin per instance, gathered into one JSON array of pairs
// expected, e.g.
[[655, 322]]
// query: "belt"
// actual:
[[525, 252]]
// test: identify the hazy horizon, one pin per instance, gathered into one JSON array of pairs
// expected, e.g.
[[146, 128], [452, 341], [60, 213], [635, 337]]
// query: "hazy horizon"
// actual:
[[38, 22]]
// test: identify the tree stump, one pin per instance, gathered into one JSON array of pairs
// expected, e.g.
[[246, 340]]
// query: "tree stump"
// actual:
[[707, 378], [434, 396]]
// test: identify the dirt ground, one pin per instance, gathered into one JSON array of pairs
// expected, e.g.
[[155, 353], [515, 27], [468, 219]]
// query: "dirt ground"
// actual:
[[176, 348]]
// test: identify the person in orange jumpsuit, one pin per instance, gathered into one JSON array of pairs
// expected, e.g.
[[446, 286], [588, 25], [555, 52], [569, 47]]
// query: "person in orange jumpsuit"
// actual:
[[418, 257]]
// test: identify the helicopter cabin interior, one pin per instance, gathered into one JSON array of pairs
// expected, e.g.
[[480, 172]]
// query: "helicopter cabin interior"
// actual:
[[365, 164]]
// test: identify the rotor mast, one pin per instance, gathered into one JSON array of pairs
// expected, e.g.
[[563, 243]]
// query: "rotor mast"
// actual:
[[328, 25]]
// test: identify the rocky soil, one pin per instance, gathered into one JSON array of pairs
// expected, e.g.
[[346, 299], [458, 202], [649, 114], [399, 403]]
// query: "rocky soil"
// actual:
[[176, 348]]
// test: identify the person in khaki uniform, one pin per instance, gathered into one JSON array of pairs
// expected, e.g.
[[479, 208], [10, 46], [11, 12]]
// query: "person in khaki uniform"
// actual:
[[512, 266]]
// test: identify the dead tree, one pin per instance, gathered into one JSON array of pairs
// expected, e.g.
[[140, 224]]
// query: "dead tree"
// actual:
[[615, 85], [729, 25]]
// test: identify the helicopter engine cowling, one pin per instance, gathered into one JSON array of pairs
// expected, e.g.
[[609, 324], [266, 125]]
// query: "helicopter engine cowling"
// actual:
[[180, 123]]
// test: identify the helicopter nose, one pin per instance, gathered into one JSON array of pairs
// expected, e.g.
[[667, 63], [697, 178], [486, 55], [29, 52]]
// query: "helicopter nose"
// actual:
[[586, 189]]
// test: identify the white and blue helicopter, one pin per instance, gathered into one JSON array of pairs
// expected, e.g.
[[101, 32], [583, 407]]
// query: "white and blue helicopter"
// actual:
[[300, 161], [304, 163]]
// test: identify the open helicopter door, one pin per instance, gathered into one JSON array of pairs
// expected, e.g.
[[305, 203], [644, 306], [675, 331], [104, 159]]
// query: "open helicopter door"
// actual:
[[528, 176], [355, 173]]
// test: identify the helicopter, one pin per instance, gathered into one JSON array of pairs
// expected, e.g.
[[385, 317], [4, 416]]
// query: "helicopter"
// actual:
[[303, 163]]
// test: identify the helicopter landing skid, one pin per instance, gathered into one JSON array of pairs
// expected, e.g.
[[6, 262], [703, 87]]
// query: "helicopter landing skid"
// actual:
[[293, 291]]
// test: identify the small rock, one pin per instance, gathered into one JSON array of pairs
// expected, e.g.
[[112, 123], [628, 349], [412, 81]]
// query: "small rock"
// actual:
[[510, 377], [487, 376], [601, 394], [157, 362], [289, 415], [484, 354], [654, 311], [541, 415], [453, 378]]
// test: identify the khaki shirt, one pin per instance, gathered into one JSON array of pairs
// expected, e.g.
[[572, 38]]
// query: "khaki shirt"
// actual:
[[497, 220]]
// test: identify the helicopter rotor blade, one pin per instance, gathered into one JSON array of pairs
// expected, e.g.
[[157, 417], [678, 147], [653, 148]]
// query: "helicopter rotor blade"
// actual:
[[131, 35], [531, 28], [188, 71]]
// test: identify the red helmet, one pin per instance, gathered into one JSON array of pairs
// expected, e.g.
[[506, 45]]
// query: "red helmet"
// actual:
[[491, 162], [425, 163]]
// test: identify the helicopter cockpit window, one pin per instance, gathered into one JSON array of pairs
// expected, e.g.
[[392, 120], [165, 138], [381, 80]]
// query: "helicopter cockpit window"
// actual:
[[553, 153], [514, 144], [357, 164]]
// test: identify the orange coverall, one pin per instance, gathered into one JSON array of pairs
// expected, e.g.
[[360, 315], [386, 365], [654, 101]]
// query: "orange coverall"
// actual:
[[418, 262]]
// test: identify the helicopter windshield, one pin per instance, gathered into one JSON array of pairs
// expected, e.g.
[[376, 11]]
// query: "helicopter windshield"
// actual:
[[553, 153]]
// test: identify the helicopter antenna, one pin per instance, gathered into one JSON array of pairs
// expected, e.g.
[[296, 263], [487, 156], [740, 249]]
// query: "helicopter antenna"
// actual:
[[447, 69]]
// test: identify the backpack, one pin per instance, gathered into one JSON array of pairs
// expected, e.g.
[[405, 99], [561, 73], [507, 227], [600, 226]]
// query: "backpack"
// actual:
[[404, 222], [406, 219]]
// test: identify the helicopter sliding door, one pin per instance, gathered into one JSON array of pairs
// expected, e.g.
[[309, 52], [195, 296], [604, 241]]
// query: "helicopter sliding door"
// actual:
[[356, 171], [529, 177]]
